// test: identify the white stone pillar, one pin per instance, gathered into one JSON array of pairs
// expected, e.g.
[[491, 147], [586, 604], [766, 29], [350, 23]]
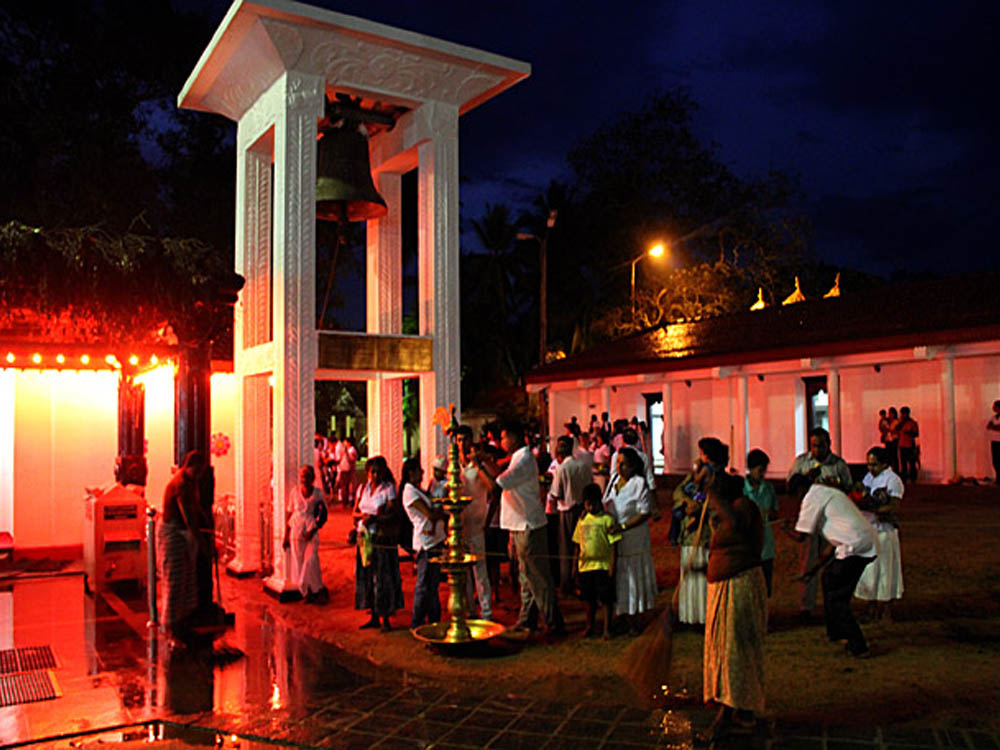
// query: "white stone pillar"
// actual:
[[668, 427], [437, 199], [252, 327], [743, 408], [799, 421], [606, 402], [950, 446], [734, 453], [555, 429], [833, 409], [295, 344], [385, 315]]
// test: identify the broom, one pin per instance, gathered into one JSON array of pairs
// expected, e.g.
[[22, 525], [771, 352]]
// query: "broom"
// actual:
[[646, 662]]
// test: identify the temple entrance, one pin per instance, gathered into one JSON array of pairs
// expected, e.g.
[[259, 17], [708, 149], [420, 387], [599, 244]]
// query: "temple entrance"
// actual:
[[817, 404]]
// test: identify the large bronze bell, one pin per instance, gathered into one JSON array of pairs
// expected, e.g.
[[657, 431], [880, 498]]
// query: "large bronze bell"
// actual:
[[344, 187]]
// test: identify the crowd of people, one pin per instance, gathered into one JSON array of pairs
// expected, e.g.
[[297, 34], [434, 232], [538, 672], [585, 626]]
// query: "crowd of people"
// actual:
[[576, 523]]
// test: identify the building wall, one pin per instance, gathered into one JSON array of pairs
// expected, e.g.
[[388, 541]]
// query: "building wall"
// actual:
[[915, 384], [977, 386], [772, 419], [706, 405], [65, 439], [59, 430]]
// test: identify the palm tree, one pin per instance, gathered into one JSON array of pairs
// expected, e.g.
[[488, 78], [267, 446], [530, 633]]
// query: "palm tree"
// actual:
[[492, 298]]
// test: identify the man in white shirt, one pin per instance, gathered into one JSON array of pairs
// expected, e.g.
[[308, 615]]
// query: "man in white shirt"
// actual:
[[571, 475], [851, 545], [522, 514], [820, 464]]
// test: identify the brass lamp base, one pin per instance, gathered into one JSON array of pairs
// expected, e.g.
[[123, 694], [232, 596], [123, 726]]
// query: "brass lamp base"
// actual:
[[437, 633]]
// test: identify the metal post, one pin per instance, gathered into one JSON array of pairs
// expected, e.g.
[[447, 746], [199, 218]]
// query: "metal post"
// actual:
[[633, 286], [543, 307], [151, 565]]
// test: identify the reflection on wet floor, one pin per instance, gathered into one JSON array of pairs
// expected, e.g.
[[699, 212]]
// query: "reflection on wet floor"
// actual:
[[113, 671], [286, 688]]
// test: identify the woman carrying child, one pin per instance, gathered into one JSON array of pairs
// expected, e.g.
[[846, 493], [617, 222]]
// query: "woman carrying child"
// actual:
[[882, 580]]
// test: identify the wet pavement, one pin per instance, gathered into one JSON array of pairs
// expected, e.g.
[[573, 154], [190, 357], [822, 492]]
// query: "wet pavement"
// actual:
[[118, 683], [287, 688]]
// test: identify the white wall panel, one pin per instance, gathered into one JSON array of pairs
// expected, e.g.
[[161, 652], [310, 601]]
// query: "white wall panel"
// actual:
[[772, 420], [977, 386]]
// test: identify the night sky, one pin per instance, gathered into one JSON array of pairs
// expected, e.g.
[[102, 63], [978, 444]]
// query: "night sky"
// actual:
[[883, 109]]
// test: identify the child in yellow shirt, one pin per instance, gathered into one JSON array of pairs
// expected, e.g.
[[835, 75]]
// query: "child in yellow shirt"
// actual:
[[596, 535]]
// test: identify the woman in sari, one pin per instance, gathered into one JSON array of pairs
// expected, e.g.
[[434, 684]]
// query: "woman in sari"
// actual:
[[377, 583], [736, 615]]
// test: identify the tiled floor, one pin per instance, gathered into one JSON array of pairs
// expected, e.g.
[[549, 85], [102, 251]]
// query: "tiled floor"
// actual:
[[288, 688], [292, 690]]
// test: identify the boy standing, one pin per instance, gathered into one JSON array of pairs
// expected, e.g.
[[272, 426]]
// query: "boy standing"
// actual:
[[596, 534]]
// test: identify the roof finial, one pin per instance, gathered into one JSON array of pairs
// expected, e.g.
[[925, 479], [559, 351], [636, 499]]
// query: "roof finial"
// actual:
[[796, 296], [760, 304], [835, 292]]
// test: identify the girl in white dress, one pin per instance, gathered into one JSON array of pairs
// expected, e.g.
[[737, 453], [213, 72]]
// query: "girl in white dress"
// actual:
[[882, 580], [627, 500]]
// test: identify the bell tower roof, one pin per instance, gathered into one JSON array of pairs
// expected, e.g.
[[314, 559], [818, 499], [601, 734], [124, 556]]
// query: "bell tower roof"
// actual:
[[258, 40]]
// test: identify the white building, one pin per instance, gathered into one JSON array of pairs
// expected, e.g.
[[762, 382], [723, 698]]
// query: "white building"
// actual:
[[762, 379]]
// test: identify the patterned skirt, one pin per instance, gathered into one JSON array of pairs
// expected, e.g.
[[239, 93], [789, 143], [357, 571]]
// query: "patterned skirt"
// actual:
[[735, 623], [176, 552]]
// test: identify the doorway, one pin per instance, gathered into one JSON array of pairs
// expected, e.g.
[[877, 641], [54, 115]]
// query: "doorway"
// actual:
[[654, 418], [817, 404]]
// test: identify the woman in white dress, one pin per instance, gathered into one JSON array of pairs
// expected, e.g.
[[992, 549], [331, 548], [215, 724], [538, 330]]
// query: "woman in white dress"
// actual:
[[307, 514], [882, 580], [627, 499], [377, 584]]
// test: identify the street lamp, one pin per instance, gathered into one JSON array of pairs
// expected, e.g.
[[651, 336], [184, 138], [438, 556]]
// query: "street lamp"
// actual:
[[656, 251], [543, 273]]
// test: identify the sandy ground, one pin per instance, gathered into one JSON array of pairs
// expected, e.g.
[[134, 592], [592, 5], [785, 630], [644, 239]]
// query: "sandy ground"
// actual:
[[937, 660]]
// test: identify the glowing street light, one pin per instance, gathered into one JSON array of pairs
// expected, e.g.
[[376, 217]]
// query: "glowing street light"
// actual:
[[656, 251]]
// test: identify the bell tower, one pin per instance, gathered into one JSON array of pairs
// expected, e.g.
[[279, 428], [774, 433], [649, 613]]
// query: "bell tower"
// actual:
[[274, 67]]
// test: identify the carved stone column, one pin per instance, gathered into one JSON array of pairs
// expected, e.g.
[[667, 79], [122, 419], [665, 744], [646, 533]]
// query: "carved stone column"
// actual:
[[385, 315], [252, 334], [437, 198], [294, 295]]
